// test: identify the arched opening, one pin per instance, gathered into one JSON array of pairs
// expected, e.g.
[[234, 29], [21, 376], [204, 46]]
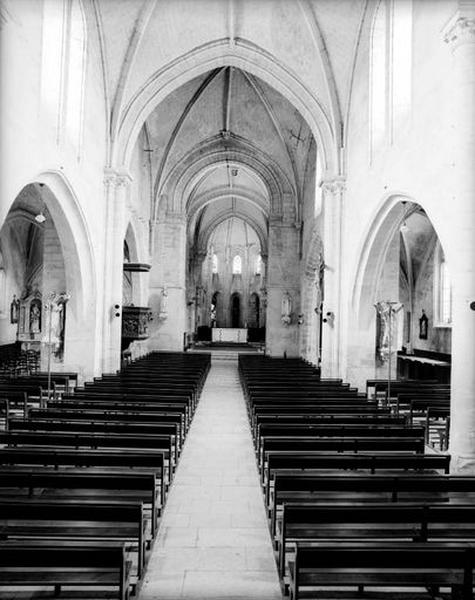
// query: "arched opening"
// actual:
[[239, 170], [401, 301], [44, 281], [236, 311]]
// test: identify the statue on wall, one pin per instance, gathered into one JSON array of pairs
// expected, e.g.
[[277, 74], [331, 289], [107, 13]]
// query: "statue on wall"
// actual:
[[163, 314], [388, 330], [35, 316], [14, 310], [423, 326], [55, 322], [286, 310]]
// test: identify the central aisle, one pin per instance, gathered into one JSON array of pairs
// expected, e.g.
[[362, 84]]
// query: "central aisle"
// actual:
[[213, 540]]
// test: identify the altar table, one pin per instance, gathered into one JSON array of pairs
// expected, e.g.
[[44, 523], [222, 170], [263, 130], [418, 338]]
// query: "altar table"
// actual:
[[229, 334]]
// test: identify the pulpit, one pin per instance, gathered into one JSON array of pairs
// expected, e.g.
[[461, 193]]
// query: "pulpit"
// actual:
[[135, 320]]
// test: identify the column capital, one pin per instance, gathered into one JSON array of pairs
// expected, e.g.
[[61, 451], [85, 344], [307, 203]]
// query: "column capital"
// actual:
[[460, 29], [116, 178], [333, 185], [174, 217]]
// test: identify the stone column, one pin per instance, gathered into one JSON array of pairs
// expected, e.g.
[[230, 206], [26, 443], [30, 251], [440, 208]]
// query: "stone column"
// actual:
[[333, 194], [282, 277], [460, 37], [168, 273], [116, 189]]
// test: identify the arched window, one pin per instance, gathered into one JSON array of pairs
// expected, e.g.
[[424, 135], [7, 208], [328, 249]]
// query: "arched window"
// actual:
[[214, 264], [52, 53], [63, 65], [237, 265], [378, 74], [76, 56], [390, 69], [401, 53], [258, 264], [443, 289]]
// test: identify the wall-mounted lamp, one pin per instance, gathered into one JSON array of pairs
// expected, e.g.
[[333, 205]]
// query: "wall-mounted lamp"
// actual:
[[404, 227], [40, 218], [329, 317]]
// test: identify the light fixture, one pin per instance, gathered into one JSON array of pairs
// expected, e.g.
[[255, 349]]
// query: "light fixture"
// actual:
[[404, 228], [40, 218]]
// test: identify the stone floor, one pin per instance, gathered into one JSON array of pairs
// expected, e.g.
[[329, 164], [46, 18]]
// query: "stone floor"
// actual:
[[213, 540]]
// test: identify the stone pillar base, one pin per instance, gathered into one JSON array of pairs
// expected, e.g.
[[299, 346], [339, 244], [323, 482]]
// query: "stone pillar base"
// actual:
[[462, 464]]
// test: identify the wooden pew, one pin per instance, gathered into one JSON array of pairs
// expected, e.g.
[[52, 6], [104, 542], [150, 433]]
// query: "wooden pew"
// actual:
[[396, 521], [64, 564], [73, 484], [382, 419], [151, 461], [110, 404], [320, 409], [305, 430], [34, 518], [92, 440], [312, 488], [296, 462], [359, 565], [338, 445], [418, 405], [371, 383], [433, 416], [171, 389], [169, 429]]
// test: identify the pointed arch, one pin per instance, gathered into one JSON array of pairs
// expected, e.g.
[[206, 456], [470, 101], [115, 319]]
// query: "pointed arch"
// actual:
[[218, 53]]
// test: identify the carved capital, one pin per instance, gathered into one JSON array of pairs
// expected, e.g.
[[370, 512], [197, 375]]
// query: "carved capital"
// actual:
[[175, 217], [334, 186], [116, 178], [460, 30]]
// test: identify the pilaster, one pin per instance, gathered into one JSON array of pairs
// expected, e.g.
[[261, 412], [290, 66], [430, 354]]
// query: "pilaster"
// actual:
[[459, 35], [168, 280], [116, 187], [282, 276], [333, 190]]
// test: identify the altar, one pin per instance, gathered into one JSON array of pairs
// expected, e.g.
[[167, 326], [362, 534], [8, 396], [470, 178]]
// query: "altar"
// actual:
[[229, 334]]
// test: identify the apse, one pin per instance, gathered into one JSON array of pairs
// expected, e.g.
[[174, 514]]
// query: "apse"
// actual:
[[233, 277]]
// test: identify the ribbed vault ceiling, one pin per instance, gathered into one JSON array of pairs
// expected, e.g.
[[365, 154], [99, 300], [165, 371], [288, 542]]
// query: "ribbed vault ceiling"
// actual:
[[228, 100]]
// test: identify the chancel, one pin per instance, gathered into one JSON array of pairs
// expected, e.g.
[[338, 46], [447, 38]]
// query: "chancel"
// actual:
[[237, 299]]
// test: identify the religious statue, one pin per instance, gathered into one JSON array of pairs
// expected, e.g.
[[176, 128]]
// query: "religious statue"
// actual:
[[35, 316], [387, 329], [423, 326], [163, 314], [54, 330], [14, 309], [286, 309]]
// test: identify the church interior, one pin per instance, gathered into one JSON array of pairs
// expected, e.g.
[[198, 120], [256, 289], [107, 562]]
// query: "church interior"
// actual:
[[237, 299]]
